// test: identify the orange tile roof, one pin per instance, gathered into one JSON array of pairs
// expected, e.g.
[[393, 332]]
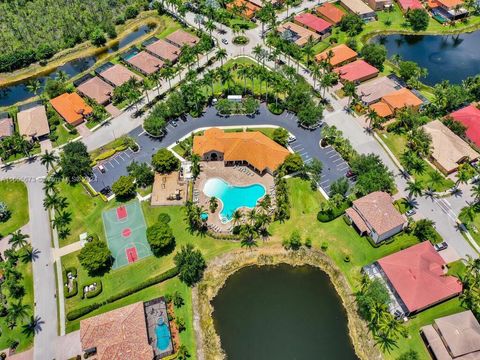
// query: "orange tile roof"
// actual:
[[450, 4], [71, 107], [120, 334], [402, 98], [341, 53], [382, 109], [254, 147], [250, 8], [330, 12]]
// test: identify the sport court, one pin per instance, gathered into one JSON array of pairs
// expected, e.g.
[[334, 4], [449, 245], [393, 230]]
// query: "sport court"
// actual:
[[125, 230]]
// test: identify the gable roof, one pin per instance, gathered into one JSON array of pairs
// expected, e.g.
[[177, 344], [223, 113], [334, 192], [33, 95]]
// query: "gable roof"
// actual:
[[450, 3], [330, 12], [96, 89], [448, 148], [302, 33], [118, 75], [410, 4], [418, 277], [313, 22], [356, 70], [33, 122], [341, 53], [382, 109], [71, 107], [146, 62], [373, 90], [164, 50], [181, 37], [358, 7], [402, 98], [120, 334], [251, 146], [377, 210], [6, 127], [470, 117]]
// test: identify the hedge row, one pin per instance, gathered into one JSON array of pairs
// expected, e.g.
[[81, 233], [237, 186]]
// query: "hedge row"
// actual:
[[69, 294], [82, 311], [332, 214]]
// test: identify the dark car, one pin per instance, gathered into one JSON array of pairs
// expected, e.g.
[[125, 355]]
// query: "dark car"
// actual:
[[441, 246], [350, 174]]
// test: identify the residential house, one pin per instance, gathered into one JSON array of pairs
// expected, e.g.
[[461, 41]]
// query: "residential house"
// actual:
[[338, 55], [33, 123], [314, 23], [6, 126], [182, 37], [297, 34], [379, 5], [72, 108], [372, 91], [449, 10], [252, 148], [96, 89], [357, 71], [145, 63], [406, 5], [453, 337], [164, 50], [469, 116], [449, 150], [360, 8], [395, 101], [330, 12], [416, 278], [118, 75], [244, 8], [374, 215]]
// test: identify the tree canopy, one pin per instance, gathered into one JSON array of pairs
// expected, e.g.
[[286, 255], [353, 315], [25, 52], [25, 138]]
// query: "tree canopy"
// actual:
[[95, 257], [124, 187], [75, 162], [375, 55], [372, 175], [418, 19], [161, 238], [164, 161], [190, 264]]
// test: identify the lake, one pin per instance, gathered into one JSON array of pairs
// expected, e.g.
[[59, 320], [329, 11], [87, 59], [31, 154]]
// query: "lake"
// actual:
[[449, 57], [15, 93], [281, 312]]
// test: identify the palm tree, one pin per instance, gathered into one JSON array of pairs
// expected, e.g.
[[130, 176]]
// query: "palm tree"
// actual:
[[195, 159], [18, 311], [308, 49], [62, 76], [248, 233], [213, 204], [49, 184], [435, 179], [373, 119], [414, 188], [289, 3], [476, 192], [144, 87], [61, 220], [237, 217], [48, 159], [34, 86], [258, 52], [221, 55], [349, 90], [243, 74], [18, 240], [155, 77]]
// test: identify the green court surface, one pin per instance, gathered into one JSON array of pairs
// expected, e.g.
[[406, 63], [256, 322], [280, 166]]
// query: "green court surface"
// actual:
[[125, 230]]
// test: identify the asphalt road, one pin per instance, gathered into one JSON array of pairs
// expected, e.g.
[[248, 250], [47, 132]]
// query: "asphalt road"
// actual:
[[307, 144]]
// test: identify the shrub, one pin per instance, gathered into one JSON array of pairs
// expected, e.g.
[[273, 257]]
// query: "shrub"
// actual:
[[124, 187], [180, 324], [96, 292], [79, 312], [346, 258], [177, 299], [163, 161], [332, 214], [160, 238], [308, 242], [74, 292], [324, 246], [164, 218]]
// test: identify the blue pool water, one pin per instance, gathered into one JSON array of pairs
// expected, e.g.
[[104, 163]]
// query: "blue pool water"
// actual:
[[163, 336], [233, 197]]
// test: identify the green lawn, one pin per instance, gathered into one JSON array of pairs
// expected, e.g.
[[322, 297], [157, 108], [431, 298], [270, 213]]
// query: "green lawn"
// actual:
[[14, 195], [16, 333]]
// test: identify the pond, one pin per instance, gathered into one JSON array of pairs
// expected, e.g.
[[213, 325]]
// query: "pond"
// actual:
[[447, 57], [281, 312], [12, 94]]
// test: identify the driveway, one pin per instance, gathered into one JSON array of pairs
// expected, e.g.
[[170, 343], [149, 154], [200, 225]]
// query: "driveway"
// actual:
[[307, 144]]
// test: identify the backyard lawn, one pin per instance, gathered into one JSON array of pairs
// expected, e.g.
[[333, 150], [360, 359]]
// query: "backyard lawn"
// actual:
[[14, 194]]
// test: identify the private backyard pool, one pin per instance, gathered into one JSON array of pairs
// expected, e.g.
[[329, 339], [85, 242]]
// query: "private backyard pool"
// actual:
[[233, 197]]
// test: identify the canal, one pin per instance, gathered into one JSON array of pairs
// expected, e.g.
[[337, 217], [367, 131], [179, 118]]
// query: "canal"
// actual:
[[12, 94], [281, 312], [447, 57]]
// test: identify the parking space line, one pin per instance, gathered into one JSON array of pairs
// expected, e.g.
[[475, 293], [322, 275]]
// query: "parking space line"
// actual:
[[339, 159], [304, 153], [121, 157], [343, 168], [127, 154], [116, 161], [330, 151], [332, 156], [109, 163], [324, 181], [143, 132]]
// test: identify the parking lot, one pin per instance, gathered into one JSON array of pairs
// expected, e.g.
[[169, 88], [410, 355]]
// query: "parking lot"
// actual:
[[113, 168]]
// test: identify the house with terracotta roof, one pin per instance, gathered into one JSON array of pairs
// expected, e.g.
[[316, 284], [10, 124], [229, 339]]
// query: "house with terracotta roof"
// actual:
[[330, 12], [469, 116], [453, 337], [373, 90], [118, 75], [96, 89], [359, 8], [357, 71], [449, 150], [145, 63], [450, 10], [182, 37], [33, 123], [297, 34], [164, 50], [375, 216], [119, 334], [338, 55], [6, 126], [395, 101], [72, 108], [313, 23], [416, 278], [406, 5], [243, 7], [251, 148]]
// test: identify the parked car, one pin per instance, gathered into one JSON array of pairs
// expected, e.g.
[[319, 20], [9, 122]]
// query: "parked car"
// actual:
[[101, 168], [174, 123], [225, 41], [291, 139], [441, 246], [411, 212], [350, 174]]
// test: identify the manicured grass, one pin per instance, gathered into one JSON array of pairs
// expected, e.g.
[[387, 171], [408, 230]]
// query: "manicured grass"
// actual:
[[16, 333], [456, 268], [14, 195], [402, 205], [63, 135]]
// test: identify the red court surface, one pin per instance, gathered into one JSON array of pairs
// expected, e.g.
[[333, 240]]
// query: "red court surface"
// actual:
[[126, 232], [121, 212], [132, 254]]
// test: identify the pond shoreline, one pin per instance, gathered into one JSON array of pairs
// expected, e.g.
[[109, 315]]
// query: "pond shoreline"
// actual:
[[221, 267]]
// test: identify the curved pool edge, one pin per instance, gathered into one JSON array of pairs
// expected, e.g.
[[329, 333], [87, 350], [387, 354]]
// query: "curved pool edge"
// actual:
[[221, 267]]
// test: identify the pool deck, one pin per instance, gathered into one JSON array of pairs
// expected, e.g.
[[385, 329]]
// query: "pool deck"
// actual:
[[154, 311], [238, 176]]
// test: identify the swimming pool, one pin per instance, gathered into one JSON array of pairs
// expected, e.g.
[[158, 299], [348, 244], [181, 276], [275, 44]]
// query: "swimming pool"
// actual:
[[233, 197], [163, 335]]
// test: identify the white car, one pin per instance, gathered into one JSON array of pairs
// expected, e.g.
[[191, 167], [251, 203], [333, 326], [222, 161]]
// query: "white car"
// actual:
[[291, 139]]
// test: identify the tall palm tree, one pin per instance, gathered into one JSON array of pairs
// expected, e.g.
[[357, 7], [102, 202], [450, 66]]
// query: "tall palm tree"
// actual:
[[349, 90], [155, 77], [476, 192], [258, 52], [221, 55], [61, 220], [144, 87], [34, 86], [18, 240], [414, 188], [49, 184], [18, 311], [62, 76], [237, 217], [48, 159], [373, 119], [243, 73]]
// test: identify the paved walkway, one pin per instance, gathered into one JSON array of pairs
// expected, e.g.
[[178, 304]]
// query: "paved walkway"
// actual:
[[65, 250]]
